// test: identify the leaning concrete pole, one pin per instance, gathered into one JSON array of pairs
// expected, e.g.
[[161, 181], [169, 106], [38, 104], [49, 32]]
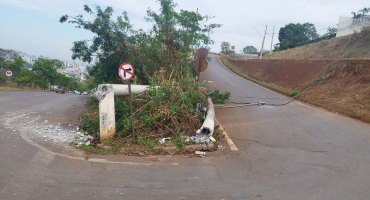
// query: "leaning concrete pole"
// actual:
[[107, 118], [105, 93], [263, 42], [209, 122]]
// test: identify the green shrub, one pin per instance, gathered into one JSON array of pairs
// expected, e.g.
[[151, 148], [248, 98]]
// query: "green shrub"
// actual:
[[90, 123], [219, 98], [293, 93]]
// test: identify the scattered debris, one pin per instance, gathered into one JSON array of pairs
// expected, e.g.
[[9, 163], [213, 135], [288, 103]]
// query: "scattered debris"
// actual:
[[202, 153], [57, 134], [204, 134], [163, 140]]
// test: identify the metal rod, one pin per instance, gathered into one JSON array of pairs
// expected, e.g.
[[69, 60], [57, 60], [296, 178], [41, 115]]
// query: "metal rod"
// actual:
[[132, 113], [199, 62]]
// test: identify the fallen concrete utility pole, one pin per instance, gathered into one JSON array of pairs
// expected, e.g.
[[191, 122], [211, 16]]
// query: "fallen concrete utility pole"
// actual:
[[105, 94], [203, 135]]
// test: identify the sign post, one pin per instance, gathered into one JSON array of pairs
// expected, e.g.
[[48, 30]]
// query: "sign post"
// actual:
[[8, 73], [201, 62], [126, 72]]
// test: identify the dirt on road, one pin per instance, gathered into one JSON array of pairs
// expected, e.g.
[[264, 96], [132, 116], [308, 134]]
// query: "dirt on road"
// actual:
[[344, 88]]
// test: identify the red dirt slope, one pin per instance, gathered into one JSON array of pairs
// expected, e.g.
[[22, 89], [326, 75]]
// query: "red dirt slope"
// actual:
[[344, 88]]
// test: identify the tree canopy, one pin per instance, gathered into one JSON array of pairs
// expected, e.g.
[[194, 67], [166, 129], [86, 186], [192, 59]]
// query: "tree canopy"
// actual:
[[249, 49], [225, 47], [16, 66], [291, 35], [167, 46], [163, 57], [310, 31], [46, 71]]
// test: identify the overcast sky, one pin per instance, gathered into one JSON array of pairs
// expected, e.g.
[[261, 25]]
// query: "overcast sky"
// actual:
[[32, 26]]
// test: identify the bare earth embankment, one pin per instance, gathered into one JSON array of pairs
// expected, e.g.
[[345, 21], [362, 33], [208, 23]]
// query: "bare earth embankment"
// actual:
[[344, 88]]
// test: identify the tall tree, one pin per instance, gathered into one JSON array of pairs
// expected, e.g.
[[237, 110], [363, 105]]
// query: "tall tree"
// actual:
[[291, 35], [63, 80], [363, 12], [2, 69], [2, 64], [225, 47], [249, 49], [25, 77], [310, 31], [110, 44], [46, 71], [166, 46], [331, 30], [177, 35], [16, 66], [356, 17]]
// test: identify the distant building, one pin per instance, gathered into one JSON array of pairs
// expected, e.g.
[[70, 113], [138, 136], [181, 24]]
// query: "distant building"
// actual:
[[348, 25]]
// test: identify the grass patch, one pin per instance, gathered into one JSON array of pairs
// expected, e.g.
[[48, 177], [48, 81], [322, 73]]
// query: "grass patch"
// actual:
[[293, 93], [108, 142], [144, 141], [179, 144], [219, 98]]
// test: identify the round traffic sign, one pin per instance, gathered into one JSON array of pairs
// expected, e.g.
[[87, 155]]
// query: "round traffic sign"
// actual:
[[202, 53], [8, 73], [126, 71]]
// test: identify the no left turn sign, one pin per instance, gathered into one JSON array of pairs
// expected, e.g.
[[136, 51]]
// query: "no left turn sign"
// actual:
[[126, 71], [8, 73]]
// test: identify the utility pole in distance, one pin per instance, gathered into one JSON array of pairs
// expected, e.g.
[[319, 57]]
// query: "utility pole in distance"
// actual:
[[272, 39], [263, 42]]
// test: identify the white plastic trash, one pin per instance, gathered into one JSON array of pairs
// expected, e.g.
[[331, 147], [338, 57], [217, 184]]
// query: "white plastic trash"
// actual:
[[202, 153]]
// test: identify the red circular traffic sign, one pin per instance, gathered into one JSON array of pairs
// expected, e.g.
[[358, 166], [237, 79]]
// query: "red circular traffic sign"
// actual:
[[8, 73], [126, 71], [202, 53]]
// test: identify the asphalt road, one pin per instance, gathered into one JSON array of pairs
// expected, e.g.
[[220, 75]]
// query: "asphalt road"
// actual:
[[284, 152]]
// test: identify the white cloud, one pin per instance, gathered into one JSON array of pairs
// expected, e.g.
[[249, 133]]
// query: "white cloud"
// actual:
[[237, 16], [24, 4]]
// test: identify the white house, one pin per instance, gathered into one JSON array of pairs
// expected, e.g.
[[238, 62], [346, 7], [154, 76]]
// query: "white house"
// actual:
[[348, 25]]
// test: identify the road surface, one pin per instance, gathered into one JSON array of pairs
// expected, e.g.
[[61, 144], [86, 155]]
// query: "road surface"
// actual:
[[293, 151], [284, 152]]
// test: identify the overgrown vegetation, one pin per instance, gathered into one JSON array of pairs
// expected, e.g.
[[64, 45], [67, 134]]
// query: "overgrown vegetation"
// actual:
[[166, 111], [163, 58], [219, 98]]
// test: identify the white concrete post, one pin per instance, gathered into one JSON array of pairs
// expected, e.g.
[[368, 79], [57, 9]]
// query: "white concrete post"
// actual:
[[107, 118], [105, 94]]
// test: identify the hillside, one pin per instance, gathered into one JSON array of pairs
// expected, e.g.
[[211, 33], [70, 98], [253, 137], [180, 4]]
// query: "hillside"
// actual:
[[8, 54], [351, 46], [344, 87]]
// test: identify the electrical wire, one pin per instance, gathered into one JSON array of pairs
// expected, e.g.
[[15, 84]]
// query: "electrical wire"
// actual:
[[291, 99], [236, 39], [233, 97]]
